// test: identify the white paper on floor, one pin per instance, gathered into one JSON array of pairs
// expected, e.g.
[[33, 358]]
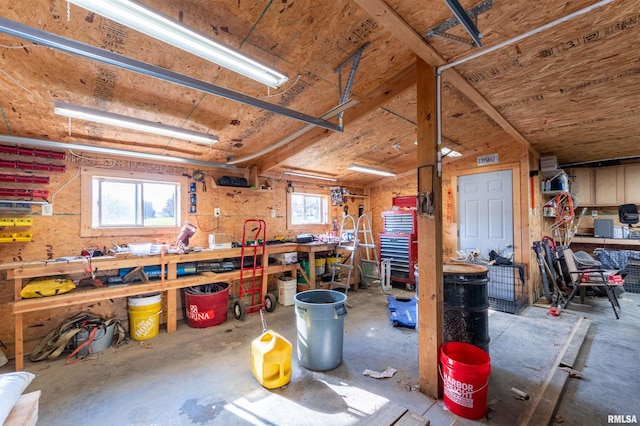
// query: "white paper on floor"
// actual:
[[389, 372]]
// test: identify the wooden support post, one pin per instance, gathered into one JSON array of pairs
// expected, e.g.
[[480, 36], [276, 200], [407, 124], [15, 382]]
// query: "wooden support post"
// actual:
[[18, 325], [430, 293], [172, 299], [253, 177]]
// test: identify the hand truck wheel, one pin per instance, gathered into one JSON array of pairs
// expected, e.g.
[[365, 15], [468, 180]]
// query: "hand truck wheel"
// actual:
[[270, 302], [239, 310]]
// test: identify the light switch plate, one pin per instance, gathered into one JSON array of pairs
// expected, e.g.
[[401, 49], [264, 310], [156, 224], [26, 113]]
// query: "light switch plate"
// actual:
[[47, 210], [273, 212]]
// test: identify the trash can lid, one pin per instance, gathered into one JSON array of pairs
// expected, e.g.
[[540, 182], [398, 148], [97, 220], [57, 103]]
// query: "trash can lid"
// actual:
[[463, 268]]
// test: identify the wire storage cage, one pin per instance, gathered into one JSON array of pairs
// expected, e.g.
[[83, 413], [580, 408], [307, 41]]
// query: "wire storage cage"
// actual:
[[626, 261], [507, 289]]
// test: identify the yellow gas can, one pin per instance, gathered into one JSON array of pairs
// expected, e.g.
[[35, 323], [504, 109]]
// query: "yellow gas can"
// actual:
[[271, 360]]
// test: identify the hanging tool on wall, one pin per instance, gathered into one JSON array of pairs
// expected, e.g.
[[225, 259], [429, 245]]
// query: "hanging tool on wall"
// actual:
[[198, 176]]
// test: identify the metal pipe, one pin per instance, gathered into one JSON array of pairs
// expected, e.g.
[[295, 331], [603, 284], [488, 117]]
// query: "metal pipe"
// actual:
[[296, 134], [525, 35], [439, 121], [111, 151], [444, 67], [68, 45]]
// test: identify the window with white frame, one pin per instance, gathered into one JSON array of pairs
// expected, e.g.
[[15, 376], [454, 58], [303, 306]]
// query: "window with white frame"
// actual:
[[130, 203], [308, 209]]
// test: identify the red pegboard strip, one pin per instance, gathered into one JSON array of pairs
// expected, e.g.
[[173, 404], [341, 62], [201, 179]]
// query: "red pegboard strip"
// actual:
[[32, 193], [24, 179], [32, 152], [23, 165]]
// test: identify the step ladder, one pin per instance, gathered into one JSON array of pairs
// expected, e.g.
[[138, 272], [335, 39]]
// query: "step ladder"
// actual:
[[347, 243], [367, 251]]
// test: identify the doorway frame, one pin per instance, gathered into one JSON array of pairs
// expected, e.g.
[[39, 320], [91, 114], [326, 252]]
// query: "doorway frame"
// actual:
[[516, 189]]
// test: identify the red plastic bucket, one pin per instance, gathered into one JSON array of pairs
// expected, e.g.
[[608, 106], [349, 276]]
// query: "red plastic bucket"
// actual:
[[465, 377], [207, 305]]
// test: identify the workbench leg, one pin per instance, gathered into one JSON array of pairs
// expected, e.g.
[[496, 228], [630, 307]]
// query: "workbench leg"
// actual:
[[312, 270], [172, 319], [19, 343]]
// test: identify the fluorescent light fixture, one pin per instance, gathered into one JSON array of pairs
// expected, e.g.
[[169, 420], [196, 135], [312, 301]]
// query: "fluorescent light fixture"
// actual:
[[371, 170], [446, 152], [90, 114], [464, 20], [305, 175], [141, 18]]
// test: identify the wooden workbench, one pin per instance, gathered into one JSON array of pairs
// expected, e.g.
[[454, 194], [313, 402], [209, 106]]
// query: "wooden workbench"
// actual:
[[311, 249], [21, 272]]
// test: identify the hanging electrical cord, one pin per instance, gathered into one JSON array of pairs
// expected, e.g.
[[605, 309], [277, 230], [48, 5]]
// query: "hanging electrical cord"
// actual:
[[63, 186]]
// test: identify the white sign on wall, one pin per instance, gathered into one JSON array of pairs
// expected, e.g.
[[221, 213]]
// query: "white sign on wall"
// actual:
[[485, 160]]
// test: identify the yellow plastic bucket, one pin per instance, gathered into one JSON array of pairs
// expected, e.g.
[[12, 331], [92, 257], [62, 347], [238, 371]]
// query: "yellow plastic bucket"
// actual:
[[331, 262], [144, 316], [320, 266], [271, 360]]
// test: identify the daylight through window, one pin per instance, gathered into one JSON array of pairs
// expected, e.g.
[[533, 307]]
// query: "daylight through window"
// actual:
[[134, 203], [308, 209]]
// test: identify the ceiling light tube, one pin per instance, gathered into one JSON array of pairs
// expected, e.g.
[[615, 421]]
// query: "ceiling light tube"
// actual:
[[371, 170], [98, 116], [305, 175], [141, 18], [113, 151]]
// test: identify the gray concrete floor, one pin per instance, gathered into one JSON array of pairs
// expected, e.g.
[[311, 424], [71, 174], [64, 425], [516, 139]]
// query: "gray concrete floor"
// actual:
[[203, 376]]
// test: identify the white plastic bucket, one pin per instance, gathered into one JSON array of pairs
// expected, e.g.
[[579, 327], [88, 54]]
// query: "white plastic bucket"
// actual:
[[287, 287]]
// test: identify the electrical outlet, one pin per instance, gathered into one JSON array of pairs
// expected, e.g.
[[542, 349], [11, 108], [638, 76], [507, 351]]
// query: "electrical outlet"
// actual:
[[594, 213], [273, 212], [47, 210], [216, 212]]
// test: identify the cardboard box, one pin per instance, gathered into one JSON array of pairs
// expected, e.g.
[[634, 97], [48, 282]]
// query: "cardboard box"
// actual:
[[285, 258], [220, 241]]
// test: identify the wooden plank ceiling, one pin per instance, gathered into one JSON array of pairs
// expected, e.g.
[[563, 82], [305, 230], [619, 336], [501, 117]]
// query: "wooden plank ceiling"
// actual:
[[572, 90]]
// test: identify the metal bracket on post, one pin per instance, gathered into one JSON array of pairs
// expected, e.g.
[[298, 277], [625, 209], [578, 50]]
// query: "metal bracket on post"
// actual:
[[344, 95], [424, 200], [440, 30]]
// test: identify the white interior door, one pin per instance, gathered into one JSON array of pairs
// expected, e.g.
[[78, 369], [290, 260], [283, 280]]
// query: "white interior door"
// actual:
[[485, 212]]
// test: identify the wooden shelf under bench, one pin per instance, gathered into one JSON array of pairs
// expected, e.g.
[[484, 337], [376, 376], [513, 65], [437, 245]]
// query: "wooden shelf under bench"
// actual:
[[20, 272]]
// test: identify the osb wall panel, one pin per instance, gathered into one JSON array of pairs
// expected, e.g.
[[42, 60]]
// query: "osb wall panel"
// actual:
[[59, 235]]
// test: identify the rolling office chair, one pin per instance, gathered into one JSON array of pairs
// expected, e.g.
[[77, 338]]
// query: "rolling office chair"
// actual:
[[628, 214]]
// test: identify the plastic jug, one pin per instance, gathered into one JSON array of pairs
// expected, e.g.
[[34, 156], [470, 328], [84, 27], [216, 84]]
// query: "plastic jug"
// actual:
[[271, 360]]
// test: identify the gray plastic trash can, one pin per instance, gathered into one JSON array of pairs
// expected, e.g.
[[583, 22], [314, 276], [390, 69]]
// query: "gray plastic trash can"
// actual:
[[320, 324]]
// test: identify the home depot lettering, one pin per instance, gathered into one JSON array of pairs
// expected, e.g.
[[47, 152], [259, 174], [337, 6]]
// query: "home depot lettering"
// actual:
[[145, 327]]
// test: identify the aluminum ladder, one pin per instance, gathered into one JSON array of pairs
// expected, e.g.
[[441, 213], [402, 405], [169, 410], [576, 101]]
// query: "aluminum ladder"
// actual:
[[367, 251], [347, 242]]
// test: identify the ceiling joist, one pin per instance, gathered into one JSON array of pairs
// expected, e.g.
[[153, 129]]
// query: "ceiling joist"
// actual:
[[372, 100], [401, 30]]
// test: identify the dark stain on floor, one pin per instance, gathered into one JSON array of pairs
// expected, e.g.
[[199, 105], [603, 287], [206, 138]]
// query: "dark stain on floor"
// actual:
[[202, 413]]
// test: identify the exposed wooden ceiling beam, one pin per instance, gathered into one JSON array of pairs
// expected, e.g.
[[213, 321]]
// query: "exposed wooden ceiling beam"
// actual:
[[372, 100], [403, 32]]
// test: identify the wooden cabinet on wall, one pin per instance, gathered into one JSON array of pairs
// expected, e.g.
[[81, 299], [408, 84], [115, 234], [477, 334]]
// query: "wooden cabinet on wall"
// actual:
[[632, 184], [606, 186], [582, 186], [609, 186]]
